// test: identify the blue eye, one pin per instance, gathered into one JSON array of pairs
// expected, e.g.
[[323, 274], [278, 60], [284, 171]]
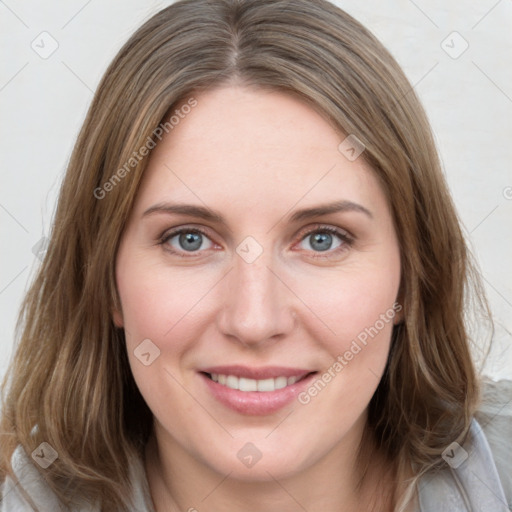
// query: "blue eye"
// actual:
[[321, 241], [326, 239], [187, 240]]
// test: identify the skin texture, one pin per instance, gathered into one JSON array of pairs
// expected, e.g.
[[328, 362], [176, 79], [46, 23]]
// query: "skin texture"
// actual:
[[256, 157]]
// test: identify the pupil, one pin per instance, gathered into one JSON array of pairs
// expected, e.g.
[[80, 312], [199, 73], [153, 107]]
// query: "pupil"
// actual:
[[321, 241]]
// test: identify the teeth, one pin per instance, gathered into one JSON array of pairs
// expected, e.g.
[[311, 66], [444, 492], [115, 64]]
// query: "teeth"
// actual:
[[247, 384], [243, 384], [281, 382], [266, 385]]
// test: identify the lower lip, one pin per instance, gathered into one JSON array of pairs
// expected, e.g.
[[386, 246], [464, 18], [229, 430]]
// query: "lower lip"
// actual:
[[256, 403]]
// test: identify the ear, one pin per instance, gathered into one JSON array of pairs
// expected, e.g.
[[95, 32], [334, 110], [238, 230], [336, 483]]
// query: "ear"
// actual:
[[398, 306], [399, 313], [117, 317]]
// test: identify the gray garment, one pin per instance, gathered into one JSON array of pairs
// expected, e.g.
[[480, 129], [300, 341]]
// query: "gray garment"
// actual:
[[476, 478]]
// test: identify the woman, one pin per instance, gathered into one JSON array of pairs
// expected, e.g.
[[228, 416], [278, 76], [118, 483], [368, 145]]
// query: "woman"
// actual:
[[254, 293]]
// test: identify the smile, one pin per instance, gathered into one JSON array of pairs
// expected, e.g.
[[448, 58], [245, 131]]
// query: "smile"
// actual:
[[255, 391]]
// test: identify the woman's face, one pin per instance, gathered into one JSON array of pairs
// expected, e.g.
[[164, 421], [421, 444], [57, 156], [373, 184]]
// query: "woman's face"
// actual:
[[286, 267]]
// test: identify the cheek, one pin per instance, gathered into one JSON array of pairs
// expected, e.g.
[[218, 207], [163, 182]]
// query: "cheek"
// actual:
[[357, 312], [158, 303], [357, 308], [352, 302], [162, 306]]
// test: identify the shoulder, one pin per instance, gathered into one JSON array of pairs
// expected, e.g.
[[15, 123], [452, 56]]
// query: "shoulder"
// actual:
[[16, 494], [26, 486], [495, 417], [478, 474]]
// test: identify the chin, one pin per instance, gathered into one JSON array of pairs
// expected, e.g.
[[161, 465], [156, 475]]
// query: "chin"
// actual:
[[250, 464]]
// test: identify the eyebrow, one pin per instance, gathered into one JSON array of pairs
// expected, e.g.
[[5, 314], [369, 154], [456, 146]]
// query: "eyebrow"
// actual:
[[325, 209], [300, 215]]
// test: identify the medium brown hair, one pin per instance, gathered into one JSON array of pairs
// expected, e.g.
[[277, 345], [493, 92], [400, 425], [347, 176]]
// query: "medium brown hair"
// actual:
[[70, 375]]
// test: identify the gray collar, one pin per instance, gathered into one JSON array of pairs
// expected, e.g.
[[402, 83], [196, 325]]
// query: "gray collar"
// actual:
[[468, 483]]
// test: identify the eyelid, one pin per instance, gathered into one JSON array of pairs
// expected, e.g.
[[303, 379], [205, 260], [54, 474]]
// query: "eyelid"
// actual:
[[325, 227], [189, 228]]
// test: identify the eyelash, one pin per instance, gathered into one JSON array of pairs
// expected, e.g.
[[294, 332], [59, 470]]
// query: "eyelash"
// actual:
[[347, 240]]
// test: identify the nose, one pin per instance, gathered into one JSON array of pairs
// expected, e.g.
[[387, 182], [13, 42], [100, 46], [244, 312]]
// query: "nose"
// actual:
[[257, 307]]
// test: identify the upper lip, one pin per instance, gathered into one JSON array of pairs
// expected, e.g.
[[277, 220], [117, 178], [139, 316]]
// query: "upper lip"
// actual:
[[267, 372]]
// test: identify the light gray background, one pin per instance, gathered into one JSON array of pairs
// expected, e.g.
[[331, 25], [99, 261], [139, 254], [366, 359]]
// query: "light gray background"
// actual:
[[468, 98]]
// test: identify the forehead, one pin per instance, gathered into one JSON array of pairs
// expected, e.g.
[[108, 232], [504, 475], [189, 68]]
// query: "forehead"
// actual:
[[252, 147]]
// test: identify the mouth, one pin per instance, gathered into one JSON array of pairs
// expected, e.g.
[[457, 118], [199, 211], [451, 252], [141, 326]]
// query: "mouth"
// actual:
[[255, 391]]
